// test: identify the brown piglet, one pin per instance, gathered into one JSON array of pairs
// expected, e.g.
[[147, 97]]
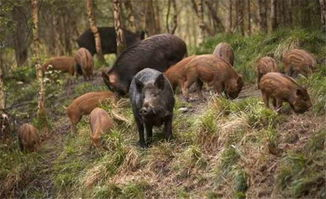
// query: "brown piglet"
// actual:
[[100, 122], [282, 88], [216, 72], [85, 60], [298, 61], [28, 138], [174, 73], [265, 65], [84, 104], [224, 50], [63, 63]]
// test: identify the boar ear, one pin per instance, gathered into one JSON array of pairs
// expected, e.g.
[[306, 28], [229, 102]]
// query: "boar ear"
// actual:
[[159, 82], [139, 84]]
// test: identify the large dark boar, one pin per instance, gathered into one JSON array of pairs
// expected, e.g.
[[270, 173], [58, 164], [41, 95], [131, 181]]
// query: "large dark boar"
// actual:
[[281, 88], [84, 104], [158, 52], [85, 60], [174, 73], [224, 50], [108, 39], [298, 61], [152, 102], [28, 138], [63, 63], [100, 122], [216, 72], [265, 65]]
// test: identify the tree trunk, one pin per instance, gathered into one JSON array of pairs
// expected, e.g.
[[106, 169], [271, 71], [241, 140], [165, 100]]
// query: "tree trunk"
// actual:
[[273, 15], [41, 112], [157, 18], [20, 37], [249, 18], [230, 12], [323, 13], [150, 18], [200, 8], [130, 15], [2, 92], [93, 27], [217, 20], [175, 17], [240, 16], [121, 42], [262, 15]]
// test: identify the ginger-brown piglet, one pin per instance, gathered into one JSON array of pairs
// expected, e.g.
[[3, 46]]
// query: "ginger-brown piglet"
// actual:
[[216, 72], [28, 138], [84, 104], [224, 50], [282, 88], [298, 61], [265, 65], [174, 73], [85, 60], [100, 122], [63, 63]]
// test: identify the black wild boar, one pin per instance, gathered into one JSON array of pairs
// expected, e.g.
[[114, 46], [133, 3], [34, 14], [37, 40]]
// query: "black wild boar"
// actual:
[[108, 39], [152, 100], [158, 52]]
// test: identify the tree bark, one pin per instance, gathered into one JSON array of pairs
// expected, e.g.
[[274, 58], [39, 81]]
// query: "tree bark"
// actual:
[[130, 15], [94, 29], [273, 15], [174, 19], [230, 16], [20, 35], [41, 112], [323, 13], [2, 92], [248, 18], [121, 42], [213, 13], [262, 15]]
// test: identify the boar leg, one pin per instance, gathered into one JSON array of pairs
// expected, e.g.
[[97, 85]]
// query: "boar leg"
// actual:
[[266, 99], [149, 133], [168, 128], [274, 101], [140, 127]]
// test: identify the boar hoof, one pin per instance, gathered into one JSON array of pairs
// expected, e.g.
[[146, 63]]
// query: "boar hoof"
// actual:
[[143, 144]]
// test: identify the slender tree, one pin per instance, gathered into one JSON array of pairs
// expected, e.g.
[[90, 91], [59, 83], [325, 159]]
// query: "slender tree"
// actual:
[[262, 9], [323, 13], [41, 112], [174, 18], [130, 15], [2, 90], [94, 29], [230, 16], [213, 13], [273, 15], [248, 17], [121, 42]]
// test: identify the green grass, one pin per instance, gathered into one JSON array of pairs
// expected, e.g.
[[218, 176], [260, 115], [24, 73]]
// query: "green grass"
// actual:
[[248, 49]]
